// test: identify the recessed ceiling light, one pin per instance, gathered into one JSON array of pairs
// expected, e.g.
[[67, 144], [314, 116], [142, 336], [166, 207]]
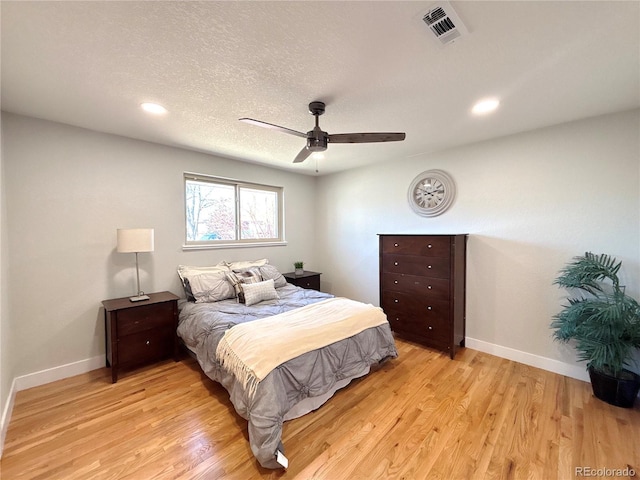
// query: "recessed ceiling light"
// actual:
[[153, 108], [485, 106]]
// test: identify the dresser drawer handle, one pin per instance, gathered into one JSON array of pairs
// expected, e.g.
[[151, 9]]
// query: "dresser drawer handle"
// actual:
[[430, 327], [148, 342], [429, 307], [429, 287], [396, 300], [395, 263], [429, 266], [395, 244], [395, 281], [429, 246]]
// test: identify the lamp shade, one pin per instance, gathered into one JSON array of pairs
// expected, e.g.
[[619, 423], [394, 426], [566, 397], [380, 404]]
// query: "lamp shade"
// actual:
[[133, 240]]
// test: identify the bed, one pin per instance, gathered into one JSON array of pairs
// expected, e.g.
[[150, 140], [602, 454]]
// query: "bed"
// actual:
[[265, 396]]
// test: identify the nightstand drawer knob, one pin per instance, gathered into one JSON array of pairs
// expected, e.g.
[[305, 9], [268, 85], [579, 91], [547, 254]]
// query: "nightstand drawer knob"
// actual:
[[429, 246], [430, 327], [429, 308], [395, 281], [148, 342], [395, 263], [429, 287], [428, 266], [396, 300], [395, 244]]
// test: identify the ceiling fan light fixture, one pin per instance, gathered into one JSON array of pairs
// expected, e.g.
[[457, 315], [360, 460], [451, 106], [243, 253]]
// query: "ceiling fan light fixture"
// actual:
[[485, 106], [153, 108]]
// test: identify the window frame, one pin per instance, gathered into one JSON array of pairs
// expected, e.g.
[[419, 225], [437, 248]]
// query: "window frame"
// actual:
[[238, 242]]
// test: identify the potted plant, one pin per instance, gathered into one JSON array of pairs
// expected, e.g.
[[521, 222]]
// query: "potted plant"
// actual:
[[604, 322], [299, 266]]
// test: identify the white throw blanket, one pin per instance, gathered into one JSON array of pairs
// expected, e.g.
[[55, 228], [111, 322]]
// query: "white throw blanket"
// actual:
[[251, 350]]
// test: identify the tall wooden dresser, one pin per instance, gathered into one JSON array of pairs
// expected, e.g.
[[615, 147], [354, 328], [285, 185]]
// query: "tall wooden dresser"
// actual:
[[422, 288]]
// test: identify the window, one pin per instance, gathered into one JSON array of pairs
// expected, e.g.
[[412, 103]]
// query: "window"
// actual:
[[220, 211]]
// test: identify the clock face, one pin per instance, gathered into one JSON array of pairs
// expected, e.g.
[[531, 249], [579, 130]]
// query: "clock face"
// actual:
[[431, 193]]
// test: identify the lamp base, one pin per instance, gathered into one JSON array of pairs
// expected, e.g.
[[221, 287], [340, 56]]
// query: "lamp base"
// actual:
[[139, 298]]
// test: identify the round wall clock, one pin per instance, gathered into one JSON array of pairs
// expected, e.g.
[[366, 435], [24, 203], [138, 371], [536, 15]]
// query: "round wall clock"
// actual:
[[431, 193]]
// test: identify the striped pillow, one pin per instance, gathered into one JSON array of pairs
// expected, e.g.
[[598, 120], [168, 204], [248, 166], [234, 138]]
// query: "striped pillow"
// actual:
[[242, 277]]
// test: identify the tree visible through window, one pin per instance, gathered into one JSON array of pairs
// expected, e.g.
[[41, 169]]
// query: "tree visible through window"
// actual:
[[224, 211]]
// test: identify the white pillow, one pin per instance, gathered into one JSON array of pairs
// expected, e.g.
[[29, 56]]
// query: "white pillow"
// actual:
[[211, 287], [270, 272], [246, 264], [188, 275], [257, 292]]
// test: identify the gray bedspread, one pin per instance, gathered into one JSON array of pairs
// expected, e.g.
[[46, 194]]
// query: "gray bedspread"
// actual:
[[313, 374]]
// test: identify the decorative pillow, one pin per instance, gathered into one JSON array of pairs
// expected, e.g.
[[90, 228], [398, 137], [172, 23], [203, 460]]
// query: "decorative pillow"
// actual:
[[243, 265], [187, 275], [270, 272], [211, 287], [257, 292], [237, 278]]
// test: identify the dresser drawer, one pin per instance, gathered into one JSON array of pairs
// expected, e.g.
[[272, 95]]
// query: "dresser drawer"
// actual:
[[436, 331], [415, 305], [430, 287], [430, 246], [145, 346], [414, 265], [147, 317]]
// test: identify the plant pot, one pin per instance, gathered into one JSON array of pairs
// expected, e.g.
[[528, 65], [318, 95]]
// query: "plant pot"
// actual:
[[621, 392], [299, 271]]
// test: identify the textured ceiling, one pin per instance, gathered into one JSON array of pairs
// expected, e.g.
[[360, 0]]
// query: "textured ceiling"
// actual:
[[375, 64]]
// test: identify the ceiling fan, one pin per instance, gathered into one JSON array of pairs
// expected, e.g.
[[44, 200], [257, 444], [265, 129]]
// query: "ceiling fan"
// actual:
[[318, 139]]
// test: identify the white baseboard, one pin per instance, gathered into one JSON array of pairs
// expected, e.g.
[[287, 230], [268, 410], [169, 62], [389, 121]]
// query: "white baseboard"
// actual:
[[6, 415], [555, 366], [58, 373]]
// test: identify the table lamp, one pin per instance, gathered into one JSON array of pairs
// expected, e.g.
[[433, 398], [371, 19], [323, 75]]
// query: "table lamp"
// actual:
[[135, 240]]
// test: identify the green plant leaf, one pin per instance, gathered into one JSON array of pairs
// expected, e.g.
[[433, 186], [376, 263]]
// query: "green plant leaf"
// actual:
[[605, 321]]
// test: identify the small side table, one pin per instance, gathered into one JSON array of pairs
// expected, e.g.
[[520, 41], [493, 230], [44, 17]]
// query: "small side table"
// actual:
[[138, 333], [306, 280]]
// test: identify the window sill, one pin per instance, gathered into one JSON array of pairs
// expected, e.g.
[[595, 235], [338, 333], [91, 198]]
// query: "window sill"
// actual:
[[233, 245]]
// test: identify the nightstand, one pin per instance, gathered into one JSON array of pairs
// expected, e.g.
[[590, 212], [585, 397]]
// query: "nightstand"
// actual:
[[306, 280], [143, 332]]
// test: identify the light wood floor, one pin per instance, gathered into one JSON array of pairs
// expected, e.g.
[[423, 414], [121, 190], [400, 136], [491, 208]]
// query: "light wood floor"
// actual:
[[420, 416]]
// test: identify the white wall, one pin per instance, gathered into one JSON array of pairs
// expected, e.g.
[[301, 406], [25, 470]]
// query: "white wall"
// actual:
[[6, 365], [530, 202], [68, 190]]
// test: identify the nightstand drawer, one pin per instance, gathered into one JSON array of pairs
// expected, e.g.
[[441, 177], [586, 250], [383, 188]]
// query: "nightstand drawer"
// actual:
[[145, 346], [308, 279], [147, 317]]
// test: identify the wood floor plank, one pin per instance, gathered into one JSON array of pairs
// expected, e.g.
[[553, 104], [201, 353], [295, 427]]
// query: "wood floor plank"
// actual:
[[422, 415]]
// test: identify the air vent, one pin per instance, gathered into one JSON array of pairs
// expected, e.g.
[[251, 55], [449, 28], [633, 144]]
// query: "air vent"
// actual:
[[444, 23]]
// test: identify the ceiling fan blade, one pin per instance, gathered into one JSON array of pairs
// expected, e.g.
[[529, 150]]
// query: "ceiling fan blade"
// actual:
[[302, 156], [273, 127], [365, 137]]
